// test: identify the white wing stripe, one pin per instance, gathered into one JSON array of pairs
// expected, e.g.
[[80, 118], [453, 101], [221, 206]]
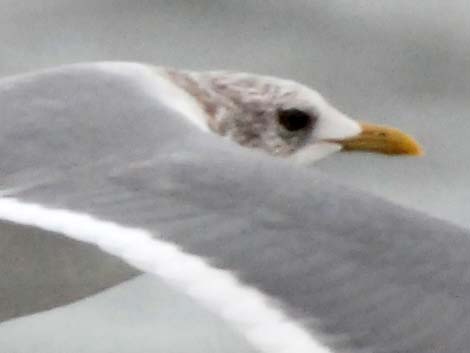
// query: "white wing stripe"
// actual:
[[251, 312]]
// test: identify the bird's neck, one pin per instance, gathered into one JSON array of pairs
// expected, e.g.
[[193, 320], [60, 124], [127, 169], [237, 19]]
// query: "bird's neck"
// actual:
[[211, 98]]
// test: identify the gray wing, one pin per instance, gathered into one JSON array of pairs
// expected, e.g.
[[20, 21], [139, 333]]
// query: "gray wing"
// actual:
[[40, 270], [364, 274]]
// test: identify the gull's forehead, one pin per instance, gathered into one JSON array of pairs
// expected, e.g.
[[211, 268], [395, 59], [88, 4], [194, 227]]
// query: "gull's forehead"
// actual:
[[255, 81], [272, 90]]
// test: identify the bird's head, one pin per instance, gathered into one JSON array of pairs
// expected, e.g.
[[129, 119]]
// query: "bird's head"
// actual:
[[284, 118]]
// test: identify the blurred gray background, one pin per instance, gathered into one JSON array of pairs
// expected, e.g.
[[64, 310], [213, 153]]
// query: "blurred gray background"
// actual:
[[398, 62]]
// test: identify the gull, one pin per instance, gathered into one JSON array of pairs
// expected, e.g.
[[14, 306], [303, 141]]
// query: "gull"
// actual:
[[129, 157], [278, 116]]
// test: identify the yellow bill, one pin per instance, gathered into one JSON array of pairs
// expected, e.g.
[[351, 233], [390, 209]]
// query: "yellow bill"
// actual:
[[381, 139]]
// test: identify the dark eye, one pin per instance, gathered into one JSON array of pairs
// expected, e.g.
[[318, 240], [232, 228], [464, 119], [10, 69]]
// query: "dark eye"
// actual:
[[295, 119]]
